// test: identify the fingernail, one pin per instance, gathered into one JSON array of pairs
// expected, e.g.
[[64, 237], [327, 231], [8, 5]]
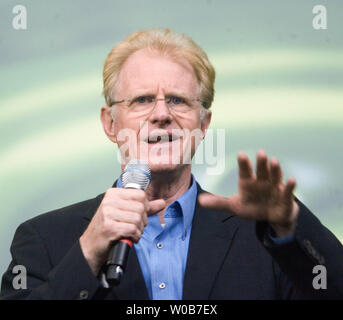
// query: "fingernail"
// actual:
[[261, 152]]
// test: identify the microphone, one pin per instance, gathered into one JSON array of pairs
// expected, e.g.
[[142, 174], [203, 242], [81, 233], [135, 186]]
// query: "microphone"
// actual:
[[136, 175]]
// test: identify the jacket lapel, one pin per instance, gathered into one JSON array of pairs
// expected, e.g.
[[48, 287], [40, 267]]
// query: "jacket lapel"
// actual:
[[132, 285], [211, 238]]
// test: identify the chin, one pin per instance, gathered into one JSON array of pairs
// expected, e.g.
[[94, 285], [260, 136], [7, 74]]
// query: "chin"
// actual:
[[162, 157], [159, 166]]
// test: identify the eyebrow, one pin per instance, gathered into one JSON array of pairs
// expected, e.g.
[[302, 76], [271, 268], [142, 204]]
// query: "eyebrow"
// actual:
[[141, 93], [150, 93]]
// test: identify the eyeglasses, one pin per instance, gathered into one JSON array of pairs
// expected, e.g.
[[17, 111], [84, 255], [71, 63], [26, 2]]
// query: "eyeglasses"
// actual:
[[145, 104]]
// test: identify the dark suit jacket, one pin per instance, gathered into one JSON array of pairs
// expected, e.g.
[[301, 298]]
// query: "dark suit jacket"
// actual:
[[228, 258]]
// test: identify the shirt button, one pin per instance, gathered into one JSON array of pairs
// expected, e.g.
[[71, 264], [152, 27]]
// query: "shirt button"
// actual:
[[162, 285], [83, 294], [159, 245]]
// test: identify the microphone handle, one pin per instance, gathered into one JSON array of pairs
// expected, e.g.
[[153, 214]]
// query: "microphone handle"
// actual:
[[117, 260]]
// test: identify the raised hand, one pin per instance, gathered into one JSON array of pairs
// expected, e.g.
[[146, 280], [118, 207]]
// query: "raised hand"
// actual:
[[261, 196]]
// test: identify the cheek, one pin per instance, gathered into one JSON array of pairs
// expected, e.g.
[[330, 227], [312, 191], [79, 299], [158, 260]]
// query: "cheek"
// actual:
[[122, 122], [189, 121], [126, 132], [192, 124]]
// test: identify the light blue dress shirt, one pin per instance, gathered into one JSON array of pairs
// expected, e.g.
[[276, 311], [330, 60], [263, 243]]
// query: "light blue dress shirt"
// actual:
[[162, 251]]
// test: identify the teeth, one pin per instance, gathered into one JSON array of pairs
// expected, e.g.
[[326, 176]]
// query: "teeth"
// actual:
[[163, 138]]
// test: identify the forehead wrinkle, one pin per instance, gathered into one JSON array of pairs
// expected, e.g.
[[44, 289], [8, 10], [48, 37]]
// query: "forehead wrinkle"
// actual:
[[142, 71]]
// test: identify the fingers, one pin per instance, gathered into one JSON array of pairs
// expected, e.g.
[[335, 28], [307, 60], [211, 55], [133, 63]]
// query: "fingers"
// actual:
[[275, 172], [262, 166], [127, 231], [288, 192], [216, 202], [126, 194], [265, 170], [128, 205], [288, 198], [138, 219], [244, 166], [155, 206]]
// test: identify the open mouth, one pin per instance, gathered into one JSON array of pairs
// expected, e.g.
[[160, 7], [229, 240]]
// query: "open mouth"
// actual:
[[153, 139]]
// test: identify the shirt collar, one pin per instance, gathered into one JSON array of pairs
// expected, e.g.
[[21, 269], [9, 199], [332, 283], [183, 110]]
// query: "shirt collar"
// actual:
[[186, 202]]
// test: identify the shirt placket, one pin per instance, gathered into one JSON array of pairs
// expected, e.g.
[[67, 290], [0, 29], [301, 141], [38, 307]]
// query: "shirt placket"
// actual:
[[162, 254]]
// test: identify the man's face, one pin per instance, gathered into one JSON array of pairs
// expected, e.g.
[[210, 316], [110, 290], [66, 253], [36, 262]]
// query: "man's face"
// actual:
[[160, 133]]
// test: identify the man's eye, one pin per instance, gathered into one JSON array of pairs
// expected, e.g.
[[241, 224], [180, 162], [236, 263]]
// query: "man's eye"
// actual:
[[177, 100], [143, 99]]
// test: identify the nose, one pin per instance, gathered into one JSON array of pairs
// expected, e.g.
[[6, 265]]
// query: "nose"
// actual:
[[160, 114]]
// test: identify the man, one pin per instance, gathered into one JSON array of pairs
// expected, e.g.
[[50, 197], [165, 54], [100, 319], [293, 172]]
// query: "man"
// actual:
[[259, 244]]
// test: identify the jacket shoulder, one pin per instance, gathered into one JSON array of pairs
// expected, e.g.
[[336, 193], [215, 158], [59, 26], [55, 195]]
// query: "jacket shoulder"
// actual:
[[64, 220]]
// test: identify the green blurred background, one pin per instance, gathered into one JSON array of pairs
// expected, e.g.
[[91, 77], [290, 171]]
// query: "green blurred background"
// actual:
[[279, 87]]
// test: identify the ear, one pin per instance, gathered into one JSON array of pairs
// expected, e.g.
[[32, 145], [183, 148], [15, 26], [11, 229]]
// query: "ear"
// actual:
[[108, 123], [205, 122]]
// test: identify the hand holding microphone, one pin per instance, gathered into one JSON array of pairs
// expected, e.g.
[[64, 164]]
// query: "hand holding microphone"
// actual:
[[122, 214], [135, 176]]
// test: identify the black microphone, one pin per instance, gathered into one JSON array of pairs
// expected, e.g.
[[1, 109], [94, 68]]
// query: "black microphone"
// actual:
[[135, 176]]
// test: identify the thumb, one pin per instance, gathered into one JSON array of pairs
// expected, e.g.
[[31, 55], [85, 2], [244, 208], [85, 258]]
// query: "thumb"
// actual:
[[216, 202], [156, 206]]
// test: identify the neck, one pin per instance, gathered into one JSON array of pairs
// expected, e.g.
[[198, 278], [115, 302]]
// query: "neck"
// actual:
[[169, 185]]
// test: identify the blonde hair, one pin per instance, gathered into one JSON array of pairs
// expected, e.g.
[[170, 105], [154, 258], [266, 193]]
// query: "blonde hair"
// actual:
[[165, 41]]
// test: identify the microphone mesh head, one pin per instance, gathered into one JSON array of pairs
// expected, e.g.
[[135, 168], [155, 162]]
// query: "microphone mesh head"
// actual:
[[136, 175]]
